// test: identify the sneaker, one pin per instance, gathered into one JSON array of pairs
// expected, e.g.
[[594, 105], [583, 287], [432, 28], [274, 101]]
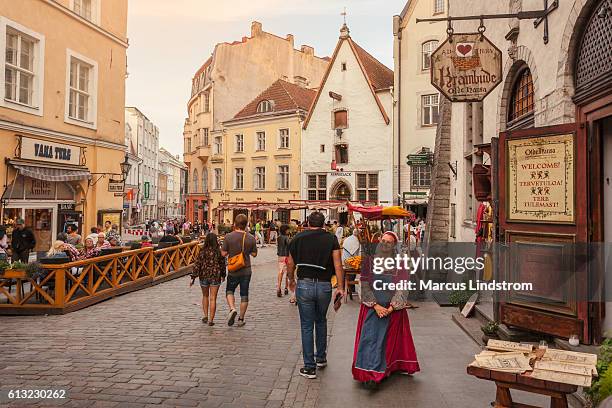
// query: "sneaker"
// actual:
[[231, 318], [240, 323], [321, 363], [205, 319], [310, 373]]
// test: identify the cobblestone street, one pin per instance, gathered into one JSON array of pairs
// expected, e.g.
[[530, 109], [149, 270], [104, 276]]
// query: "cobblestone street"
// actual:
[[149, 348]]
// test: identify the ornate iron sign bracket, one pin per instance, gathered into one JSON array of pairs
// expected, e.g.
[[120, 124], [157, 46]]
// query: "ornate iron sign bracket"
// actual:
[[540, 16]]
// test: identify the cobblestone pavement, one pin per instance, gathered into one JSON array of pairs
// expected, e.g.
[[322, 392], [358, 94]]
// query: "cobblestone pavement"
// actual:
[[149, 348]]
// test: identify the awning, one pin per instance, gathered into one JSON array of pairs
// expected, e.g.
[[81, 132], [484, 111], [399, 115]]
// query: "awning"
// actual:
[[416, 201], [380, 213], [51, 173]]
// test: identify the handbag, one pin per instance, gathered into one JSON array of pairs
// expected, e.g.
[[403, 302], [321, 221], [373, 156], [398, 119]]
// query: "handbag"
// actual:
[[237, 261]]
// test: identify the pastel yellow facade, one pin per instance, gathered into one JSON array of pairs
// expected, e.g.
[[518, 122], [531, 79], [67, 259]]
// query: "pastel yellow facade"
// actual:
[[62, 76], [241, 164]]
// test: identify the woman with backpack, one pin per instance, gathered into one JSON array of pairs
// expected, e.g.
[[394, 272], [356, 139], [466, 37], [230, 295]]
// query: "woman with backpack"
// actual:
[[210, 268]]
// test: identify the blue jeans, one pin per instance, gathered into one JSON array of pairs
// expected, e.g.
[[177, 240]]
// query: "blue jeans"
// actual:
[[234, 281], [313, 299]]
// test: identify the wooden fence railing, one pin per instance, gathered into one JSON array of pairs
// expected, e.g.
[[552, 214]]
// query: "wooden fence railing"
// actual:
[[71, 286]]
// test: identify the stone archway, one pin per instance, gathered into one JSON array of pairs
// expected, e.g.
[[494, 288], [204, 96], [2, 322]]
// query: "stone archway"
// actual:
[[341, 190]]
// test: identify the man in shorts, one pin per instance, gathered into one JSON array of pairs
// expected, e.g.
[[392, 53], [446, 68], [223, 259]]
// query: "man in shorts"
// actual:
[[232, 245]]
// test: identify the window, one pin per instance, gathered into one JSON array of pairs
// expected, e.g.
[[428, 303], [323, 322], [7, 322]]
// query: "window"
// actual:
[[367, 187], [83, 8], [342, 154], [521, 100], [420, 176], [239, 143], [205, 141], [429, 109], [205, 180], [261, 141], [283, 139], [195, 181], [218, 179], [453, 221], [238, 179], [438, 6], [317, 187], [343, 66], [265, 106], [427, 49], [340, 119], [322, 148], [187, 145], [206, 102], [81, 90], [260, 178], [23, 68], [283, 177], [217, 147]]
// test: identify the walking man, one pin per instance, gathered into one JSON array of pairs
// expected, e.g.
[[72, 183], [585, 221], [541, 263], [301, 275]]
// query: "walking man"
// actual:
[[316, 255], [22, 242], [235, 243]]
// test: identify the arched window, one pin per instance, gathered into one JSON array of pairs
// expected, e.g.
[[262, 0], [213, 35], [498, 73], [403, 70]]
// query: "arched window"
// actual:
[[522, 98], [204, 180], [265, 106], [195, 181], [427, 48]]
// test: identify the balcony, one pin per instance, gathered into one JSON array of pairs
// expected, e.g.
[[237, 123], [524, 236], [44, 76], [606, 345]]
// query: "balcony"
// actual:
[[202, 153]]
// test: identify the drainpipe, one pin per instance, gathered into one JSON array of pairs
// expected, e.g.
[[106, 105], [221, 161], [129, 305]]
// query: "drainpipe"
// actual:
[[397, 31]]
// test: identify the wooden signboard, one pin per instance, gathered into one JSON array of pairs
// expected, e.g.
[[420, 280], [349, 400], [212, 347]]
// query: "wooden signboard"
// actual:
[[466, 67], [541, 179]]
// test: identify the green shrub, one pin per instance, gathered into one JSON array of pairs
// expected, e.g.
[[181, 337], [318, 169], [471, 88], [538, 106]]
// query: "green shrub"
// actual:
[[601, 388], [460, 297], [490, 328]]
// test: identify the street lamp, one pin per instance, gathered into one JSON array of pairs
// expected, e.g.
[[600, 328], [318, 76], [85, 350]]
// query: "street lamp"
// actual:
[[125, 167]]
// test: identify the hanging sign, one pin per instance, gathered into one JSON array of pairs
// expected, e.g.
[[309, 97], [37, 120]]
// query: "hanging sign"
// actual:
[[466, 67], [116, 186], [541, 179], [42, 150]]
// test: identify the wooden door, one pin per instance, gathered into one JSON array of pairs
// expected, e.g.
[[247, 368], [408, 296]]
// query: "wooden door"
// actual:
[[541, 178]]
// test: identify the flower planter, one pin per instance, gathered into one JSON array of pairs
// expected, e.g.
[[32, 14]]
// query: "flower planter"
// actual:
[[14, 274]]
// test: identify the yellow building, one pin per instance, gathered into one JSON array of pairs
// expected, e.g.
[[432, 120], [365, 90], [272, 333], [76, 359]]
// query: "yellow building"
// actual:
[[62, 79], [257, 157]]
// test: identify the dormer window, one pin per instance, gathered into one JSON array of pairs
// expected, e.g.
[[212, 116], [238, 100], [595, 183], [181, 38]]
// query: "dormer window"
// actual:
[[265, 106], [343, 66]]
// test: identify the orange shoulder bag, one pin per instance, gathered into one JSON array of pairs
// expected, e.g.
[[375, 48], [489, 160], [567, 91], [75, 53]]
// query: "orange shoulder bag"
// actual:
[[237, 261]]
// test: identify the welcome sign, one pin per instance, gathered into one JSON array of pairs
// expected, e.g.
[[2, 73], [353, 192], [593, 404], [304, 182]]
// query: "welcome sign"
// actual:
[[541, 179], [466, 67], [42, 150]]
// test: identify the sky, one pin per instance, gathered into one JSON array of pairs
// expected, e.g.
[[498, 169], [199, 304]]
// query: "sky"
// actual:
[[170, 39]]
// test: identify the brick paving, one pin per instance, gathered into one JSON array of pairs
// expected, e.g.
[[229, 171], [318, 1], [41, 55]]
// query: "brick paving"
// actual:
[[149, 348]]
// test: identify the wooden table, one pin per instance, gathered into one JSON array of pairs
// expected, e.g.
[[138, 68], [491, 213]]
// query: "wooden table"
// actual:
[[523, 382]]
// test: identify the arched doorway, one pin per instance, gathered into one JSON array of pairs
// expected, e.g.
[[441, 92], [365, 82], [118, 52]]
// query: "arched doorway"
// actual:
[[341, 191]]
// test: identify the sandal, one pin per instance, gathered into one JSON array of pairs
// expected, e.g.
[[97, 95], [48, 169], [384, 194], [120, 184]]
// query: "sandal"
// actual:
[[279, 293], [211, 323], [292, 300], [205, 319], [286, 291]]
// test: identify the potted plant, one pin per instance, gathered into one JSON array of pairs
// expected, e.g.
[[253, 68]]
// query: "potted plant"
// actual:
[[34, 270], [601, 387], [15, 271], [460, 297], [489, 331]]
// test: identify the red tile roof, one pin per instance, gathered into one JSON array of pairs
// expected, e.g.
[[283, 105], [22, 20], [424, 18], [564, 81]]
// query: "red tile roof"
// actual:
[[379, 75], [284, 96]]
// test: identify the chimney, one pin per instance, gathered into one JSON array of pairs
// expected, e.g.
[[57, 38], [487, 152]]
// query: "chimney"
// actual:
[[308, 50], [256, 28], [290, 39], [300, 81], [244, 39]]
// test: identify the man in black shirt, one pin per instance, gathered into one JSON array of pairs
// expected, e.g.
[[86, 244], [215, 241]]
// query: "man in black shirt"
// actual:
[[22, 242], [171, 238], [316, 254]]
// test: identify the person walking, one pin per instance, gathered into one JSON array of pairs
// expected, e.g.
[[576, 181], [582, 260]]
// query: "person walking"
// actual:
[[316, 255], [258, 234], [239, 247], [210, 269], [22, 242], [282, 251]]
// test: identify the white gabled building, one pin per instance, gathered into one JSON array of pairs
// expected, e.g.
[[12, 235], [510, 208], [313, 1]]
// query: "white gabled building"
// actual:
[[347, 144]]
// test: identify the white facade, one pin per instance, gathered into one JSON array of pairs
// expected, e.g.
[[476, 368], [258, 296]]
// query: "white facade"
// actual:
[[368, 133], [416, 107], [147, 135], [172, 166]]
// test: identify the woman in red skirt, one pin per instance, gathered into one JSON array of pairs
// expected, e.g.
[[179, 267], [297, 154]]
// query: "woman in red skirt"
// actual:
[[383, 342]]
